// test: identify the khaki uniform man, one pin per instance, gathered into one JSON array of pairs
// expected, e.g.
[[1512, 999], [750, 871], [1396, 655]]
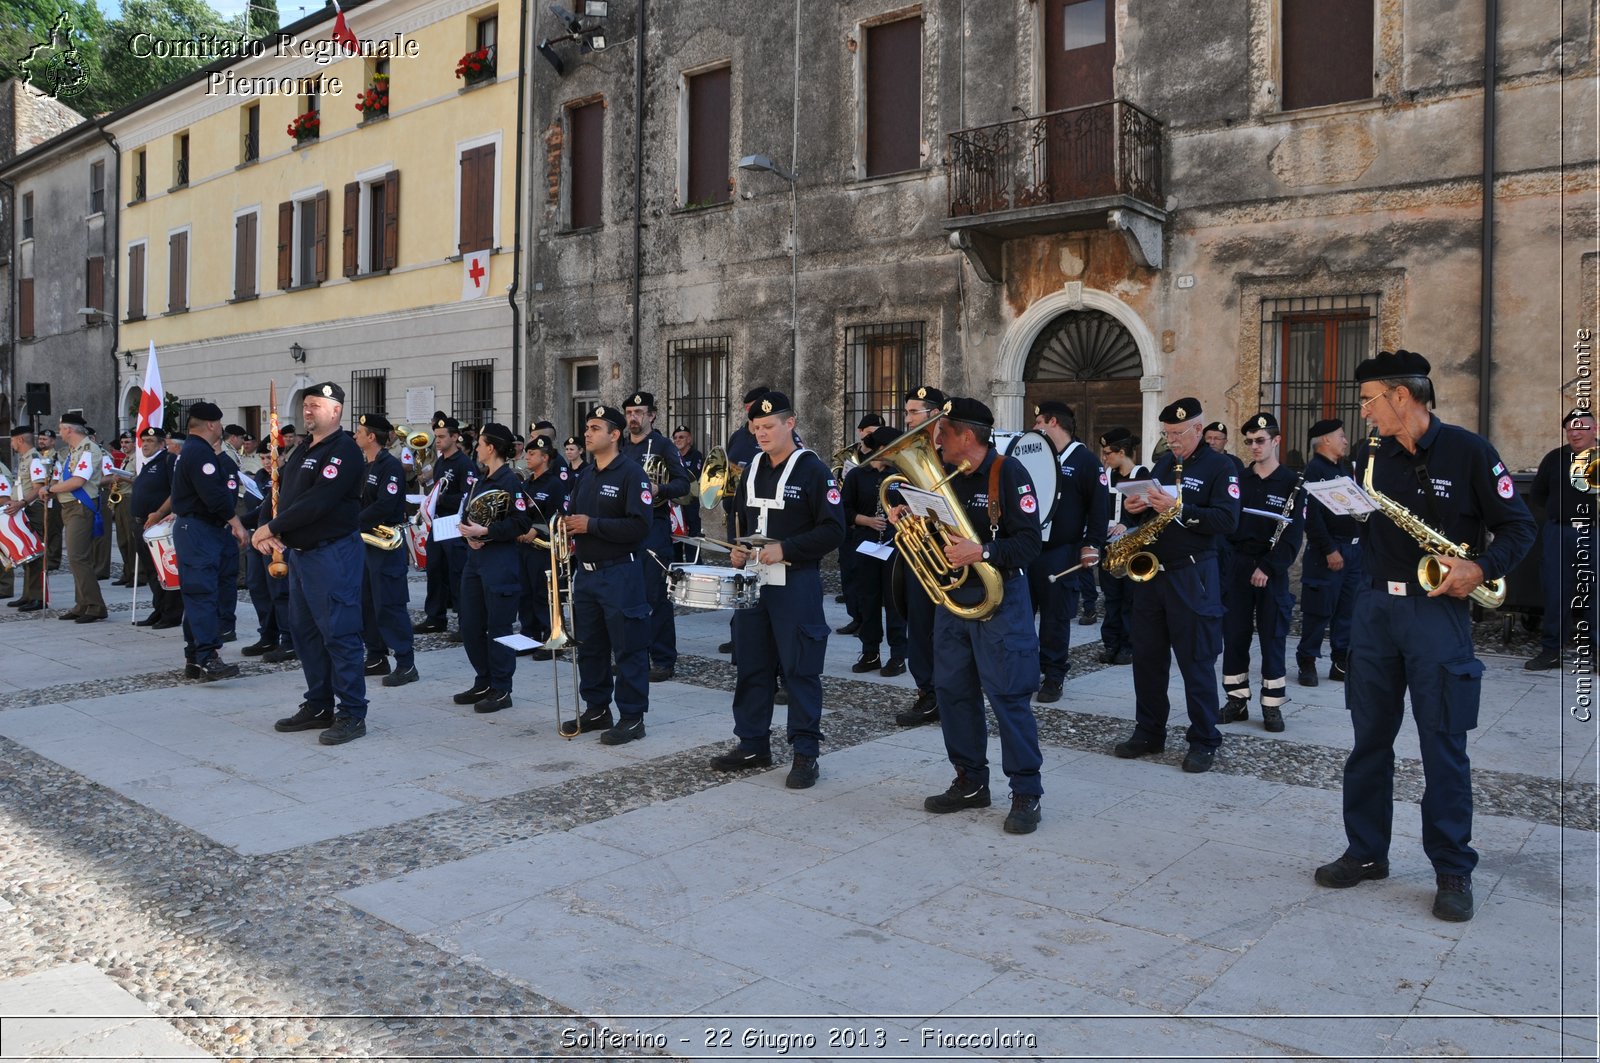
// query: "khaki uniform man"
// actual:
[[102, 545], [122, 510], [54, 455], [32, 474], [80, 479]]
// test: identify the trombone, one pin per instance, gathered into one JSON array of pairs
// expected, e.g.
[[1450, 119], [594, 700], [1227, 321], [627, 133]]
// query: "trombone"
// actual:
[[559, 543]]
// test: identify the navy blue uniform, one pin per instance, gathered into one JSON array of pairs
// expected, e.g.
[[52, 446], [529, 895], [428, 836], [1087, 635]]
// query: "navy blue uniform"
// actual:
[[998, 656], [205, 485], [491, 585], [1078, 520], [1403, 641], [694, 464], [446, 558], [1328, 598], [545, 496], [1116, 630], [269, 596], [1566, 569], [657, 553], [786, 628], [875, 606], [319, 513], [385, 621], [741, 451], [1224, 546], [1176, 614], [609, 612], [151, 487], [1262, 611]]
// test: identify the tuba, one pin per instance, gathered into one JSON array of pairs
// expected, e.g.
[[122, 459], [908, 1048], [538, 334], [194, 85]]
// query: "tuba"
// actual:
[[719, 478], [384, 537], [1128, 554], [921, 540], [489, 507], [1584, 473], [1491, 594]]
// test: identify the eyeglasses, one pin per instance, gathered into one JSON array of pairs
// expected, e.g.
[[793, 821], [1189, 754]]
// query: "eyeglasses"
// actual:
[[1370, 399]]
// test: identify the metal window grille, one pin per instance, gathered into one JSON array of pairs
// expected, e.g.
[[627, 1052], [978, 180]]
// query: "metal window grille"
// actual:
[[697, 393], [474, 391], [882, 363], [1310, 347], [369, 393]]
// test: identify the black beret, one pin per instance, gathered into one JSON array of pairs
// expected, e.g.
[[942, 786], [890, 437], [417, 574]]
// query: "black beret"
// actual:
[[611, 415], [1390, 364], [641, 398], [1325, 426], [1217, 426], [20, 430], [232, 430], [682, 428], [573, 441], [540, 426], [881, 437], [1115, 435], [771, 403], [152, 432], [968, 411], [248, 438], [1185, 409], [327, 390], [77, 419], [447, 423], [932, 396], [754, 393], [542, 444], [871, 420], [1052, 408], [205, 411], [496, 433], [376, 422], [517, 438], [1572, 416], [286, 429], [177, 437], [1260, 422]]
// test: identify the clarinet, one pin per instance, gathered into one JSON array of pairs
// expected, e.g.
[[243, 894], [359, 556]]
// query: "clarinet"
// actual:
[[1288, 509]]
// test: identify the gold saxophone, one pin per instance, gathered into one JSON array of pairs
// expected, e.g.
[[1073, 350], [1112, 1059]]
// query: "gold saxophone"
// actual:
[[1128, 554], [921, 540], [1491, 594]]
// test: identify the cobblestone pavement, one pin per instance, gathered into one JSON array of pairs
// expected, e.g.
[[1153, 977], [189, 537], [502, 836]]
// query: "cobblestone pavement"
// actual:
[[460, 886]]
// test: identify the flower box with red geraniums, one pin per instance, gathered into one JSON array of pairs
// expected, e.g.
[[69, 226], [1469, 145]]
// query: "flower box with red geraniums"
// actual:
[[476, 66], [306, 127], [375, 101]]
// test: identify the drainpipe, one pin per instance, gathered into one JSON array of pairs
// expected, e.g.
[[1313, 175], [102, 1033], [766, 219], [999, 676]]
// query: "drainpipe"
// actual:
[[516, 239], [794, 221], [638, 190], [113, 210], [1491, 11], [10, 338]]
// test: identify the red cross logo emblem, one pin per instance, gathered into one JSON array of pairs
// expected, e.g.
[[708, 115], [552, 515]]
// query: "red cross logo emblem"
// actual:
[[476, 273]]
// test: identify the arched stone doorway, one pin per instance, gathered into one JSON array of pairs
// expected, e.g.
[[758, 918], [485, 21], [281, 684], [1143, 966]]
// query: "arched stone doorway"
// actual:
[[1090, 361]]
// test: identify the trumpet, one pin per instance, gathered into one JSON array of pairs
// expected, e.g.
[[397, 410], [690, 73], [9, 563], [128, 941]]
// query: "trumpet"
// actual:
[[1584, 473], [719, 478]]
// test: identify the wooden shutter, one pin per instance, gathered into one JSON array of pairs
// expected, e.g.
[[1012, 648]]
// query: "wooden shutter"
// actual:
[[177, 272], [244, 256], [94, 286], [894, 97], [321, 245], [391, 219], [352, 222], [588, 162], [136, 282], [467, 223], [1327, 52], [286, 245], [25, 308], [708, 137], [477, 199]]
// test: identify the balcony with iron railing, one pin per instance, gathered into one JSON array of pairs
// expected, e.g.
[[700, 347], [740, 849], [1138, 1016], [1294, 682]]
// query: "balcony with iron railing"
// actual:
[[1089, 167], [252, 147]]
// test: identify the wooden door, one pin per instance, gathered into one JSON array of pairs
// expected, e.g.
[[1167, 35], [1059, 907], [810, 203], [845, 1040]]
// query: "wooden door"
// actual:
[[1080, 144]]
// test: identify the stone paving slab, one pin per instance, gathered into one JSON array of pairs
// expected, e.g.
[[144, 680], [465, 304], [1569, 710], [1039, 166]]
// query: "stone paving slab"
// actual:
[[77, 1011]]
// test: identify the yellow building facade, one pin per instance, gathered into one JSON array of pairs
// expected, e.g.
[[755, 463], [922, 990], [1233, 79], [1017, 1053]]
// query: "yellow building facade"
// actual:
[[374, 248]]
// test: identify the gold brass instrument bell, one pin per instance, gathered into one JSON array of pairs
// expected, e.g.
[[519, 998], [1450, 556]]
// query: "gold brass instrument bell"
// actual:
[[384, 537], [719, 478]]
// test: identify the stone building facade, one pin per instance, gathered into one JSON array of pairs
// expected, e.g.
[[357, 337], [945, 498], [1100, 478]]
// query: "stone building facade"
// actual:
[[1097, 200]]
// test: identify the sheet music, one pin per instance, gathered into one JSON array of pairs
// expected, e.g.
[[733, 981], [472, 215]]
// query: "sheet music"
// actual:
[[1341, 496], [518, 641], [881, 551], [1137, 487], [928, 504], [446, 528]]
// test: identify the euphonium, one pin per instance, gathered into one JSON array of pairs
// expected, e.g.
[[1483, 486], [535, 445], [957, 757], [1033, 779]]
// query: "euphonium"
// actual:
[[384, 537], [719, 478], [1491, 594], [492, 505], [921, 540], [1127, 554], [1585, 471], [847, 455]]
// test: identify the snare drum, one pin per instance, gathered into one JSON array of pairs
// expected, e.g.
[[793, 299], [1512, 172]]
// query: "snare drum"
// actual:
[[417, 547], [18, 544], [159, 536], [712, 587]]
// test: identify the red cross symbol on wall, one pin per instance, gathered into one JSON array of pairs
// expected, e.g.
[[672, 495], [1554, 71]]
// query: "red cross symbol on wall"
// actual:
[[476, 273]]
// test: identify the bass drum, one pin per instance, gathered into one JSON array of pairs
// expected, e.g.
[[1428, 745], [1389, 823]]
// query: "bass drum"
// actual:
[[1038, 455]]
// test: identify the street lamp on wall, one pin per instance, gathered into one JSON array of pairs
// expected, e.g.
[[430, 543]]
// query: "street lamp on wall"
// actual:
[[298, 353], [129, 359], [92, 315]]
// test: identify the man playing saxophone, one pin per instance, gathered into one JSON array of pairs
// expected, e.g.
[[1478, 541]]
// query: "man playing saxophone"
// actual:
[[1177, 592], [1407, 639], [385, 622]]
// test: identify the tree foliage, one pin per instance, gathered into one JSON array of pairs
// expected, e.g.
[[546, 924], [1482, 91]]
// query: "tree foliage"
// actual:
[[54, 45]]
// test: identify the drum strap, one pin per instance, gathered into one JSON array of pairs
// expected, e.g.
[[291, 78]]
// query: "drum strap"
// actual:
[[765, 505], [994, 498]]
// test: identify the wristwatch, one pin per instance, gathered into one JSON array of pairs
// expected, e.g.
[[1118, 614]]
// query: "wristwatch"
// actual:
[[986, 552]]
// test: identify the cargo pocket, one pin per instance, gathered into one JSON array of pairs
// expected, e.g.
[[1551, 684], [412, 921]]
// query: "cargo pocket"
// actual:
[[1316, 598], [1207, 639], [1461, 685], [344, 612], [1019, 664], [636, 627], [810, 646]]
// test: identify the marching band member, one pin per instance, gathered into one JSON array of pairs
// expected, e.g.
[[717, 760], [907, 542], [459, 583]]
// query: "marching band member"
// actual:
[[1216, 437], [122, 469], [386, 625], [151, 502], [1117, 448], [644, 441], [1405, 640], [865, 523], [688, 502], [572, 450], [206, 536], [1076, 536], [1567, 560], [77, 485], [545, 490], [1330, 574], [491, 580], [850, 562], [30, 476], [741, 450], [446, 557], [319, 508], [998, 655], [1255, 589], [920, 404], [55, 457], [609, 518], [1177, 613], [787, 495]]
